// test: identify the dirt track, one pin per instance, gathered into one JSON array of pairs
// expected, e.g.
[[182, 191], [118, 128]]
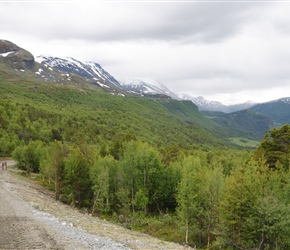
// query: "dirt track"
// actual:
[[32, 219], [18, 229]]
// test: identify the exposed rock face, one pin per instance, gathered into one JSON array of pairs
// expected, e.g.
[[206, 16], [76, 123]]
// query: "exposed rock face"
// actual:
[[17, 57]]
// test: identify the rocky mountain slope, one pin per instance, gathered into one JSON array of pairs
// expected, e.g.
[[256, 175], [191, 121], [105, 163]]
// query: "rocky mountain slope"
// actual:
[[18, 64], [14, 56], [88, 70]]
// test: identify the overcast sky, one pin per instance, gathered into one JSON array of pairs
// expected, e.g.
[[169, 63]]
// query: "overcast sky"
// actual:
[[225, 51]]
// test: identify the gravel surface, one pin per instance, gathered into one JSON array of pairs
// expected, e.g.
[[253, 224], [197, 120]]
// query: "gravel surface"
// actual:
[[30, 218]]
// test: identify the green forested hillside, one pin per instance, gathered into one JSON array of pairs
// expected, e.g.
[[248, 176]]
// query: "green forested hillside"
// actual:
[[149, 164], [244, 123], [278, 110], [97, 116]]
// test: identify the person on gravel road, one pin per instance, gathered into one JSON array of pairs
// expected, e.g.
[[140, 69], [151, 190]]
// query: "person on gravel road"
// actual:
[[4, 165]]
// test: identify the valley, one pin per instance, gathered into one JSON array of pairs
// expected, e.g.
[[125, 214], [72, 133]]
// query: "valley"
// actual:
[[143, 160]]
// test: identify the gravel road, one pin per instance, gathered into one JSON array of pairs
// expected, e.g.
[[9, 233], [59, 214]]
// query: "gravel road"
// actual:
[[31, 219]]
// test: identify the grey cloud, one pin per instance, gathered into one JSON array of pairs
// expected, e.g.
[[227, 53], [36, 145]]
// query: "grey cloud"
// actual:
[[181, 22], [204, 48], [185, 22], [207, 22]]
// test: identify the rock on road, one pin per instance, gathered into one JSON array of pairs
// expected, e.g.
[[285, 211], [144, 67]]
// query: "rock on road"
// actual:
[[31, 219]]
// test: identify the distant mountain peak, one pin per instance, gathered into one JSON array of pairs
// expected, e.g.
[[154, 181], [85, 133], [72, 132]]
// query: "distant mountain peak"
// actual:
[[21, 59], [206, 105], [147, 87]]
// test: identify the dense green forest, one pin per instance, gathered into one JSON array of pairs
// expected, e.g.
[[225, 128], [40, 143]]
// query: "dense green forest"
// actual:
[[150, 165]]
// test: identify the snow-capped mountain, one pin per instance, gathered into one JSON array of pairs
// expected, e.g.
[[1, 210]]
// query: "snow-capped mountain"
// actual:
[[202, 103], [206, 105], [88, 70], [148, 87], [285, 100], [16, 62]]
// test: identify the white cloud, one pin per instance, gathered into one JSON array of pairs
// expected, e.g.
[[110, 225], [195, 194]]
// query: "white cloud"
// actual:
[[223, 51]]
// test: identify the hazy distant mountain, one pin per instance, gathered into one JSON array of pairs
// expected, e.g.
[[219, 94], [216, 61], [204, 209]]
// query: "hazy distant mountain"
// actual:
[[148, 87], [206, 105]]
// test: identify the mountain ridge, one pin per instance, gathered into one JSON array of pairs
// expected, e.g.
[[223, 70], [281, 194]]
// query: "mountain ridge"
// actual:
[[148, 87], [88, 70], [278, 110], [206, 105], [96, 75], [252, 123]]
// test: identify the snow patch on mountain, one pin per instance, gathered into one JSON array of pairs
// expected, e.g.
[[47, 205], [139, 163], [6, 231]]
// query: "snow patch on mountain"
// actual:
[[285, 100], [8, 53], [88, 70], [146, 87], [202, 103]]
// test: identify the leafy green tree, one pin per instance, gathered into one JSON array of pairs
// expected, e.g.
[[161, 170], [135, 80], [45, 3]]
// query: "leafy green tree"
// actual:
[[211, 193], [253, 215], [8, 143], [235, 205], [276, 147], [77, 189], [123, 195], [188, 195], [141, 167], [53, 166], [128, 174], [3, 117], [141, 199], [273, 223], [165, 186], [271, 209], [100, 178], [29, 156]]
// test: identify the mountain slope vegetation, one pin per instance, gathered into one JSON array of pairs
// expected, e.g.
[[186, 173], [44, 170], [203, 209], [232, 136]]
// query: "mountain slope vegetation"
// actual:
[[149, 163], [17, 64], [246, 123], [278, 110], [100, 115]]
